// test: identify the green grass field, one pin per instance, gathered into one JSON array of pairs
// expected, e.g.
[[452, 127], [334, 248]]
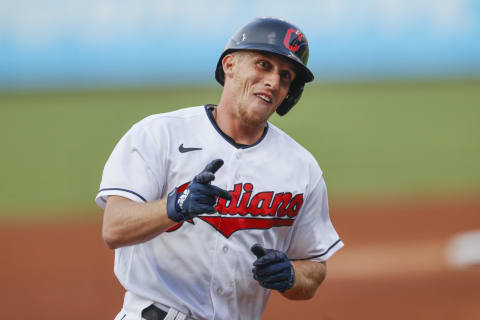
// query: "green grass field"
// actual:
[[371, 139]]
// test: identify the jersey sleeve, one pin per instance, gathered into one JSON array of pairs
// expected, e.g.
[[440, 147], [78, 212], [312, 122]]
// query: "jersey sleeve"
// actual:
[[135, 169], [314, 236]]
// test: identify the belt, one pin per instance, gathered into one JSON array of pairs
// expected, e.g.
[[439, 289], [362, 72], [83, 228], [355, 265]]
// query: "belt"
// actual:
[[153, 313]]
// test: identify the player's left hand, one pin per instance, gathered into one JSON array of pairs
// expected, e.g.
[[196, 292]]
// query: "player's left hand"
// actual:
[[272, 269]]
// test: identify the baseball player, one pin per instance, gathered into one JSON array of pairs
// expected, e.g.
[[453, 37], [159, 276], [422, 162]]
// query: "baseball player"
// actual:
[[209, 208]]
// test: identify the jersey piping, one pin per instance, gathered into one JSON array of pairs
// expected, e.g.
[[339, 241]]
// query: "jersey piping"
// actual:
[[209, 108], [322, 254], [125, 190]]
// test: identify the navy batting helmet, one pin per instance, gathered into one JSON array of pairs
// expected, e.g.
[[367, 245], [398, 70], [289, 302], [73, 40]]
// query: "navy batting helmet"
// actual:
[[273, 36]]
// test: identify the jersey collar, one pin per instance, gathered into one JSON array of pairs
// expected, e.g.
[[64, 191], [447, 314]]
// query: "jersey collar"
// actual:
[[209, 108]]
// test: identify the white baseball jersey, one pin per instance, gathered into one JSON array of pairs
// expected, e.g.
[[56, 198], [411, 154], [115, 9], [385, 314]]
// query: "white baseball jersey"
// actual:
[[203, 267]]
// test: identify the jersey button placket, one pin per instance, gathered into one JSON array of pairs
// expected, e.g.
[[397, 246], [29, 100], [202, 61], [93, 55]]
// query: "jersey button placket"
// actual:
[[237, 157]]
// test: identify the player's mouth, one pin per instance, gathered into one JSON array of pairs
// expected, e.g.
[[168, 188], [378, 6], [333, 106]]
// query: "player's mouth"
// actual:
[[264, 97]]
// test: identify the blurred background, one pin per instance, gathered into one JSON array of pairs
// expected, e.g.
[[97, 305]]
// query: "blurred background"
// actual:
[[392, 118]]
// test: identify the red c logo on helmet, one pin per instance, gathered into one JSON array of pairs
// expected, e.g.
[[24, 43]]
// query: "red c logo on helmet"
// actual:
[[292, 44]]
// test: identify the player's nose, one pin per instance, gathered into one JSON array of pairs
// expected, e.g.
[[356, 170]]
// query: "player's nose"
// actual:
[[272, 80]]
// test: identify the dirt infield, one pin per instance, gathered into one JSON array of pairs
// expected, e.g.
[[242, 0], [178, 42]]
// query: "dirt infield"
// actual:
[[392, 267]]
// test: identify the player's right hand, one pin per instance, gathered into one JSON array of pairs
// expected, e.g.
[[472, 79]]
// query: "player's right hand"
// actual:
[[199, 197]]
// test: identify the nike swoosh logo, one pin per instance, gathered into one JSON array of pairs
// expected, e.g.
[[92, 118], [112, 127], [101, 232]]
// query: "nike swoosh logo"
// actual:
[[182, 149]]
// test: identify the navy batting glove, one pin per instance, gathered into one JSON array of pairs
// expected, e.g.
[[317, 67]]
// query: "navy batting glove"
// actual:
[[272, 269], [199, 197]]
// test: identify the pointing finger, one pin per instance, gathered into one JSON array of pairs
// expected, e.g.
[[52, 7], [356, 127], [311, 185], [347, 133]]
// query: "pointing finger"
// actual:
[[213, 166]]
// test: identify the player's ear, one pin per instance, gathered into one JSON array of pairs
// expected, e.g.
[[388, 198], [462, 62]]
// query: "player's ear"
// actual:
[[228, 64]]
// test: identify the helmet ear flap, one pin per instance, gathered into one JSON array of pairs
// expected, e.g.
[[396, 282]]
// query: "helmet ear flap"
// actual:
[[296, 90]]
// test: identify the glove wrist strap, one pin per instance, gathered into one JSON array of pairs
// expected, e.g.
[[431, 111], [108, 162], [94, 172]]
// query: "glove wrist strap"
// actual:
[[172, 207], [291, 282]]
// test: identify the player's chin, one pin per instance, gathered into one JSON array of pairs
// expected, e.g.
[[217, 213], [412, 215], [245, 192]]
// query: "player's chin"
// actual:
[[258, 114], [255, 117]]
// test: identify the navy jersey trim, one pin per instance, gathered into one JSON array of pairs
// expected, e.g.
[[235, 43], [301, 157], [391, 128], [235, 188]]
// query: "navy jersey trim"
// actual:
[[125, 190], [320, 255], [209, 108]]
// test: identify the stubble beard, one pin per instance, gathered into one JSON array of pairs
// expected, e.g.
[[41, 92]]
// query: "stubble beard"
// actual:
[[251, 119]]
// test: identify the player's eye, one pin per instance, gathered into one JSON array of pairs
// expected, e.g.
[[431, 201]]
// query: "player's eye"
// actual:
[[287, 76], [264, 64]]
